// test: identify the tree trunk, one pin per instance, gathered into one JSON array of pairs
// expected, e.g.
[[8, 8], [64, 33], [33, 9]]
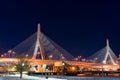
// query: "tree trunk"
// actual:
[[21, 75]]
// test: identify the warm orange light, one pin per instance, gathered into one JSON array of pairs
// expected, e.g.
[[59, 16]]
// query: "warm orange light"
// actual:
[[73, 68]]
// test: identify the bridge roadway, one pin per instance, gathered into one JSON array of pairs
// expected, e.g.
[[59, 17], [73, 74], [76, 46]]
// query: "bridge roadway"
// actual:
[[87, 65], [101, 73], [80, 64], [40, 62]]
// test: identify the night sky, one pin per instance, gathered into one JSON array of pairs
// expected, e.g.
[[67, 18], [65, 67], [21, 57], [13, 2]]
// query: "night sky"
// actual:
[[81, 27]]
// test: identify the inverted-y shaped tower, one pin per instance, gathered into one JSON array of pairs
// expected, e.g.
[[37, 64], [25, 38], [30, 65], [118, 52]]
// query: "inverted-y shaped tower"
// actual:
[[108, 53], [105, 55], [38, 47]]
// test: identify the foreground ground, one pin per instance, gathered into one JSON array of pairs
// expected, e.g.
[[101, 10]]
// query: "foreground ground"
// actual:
[[13, 77]]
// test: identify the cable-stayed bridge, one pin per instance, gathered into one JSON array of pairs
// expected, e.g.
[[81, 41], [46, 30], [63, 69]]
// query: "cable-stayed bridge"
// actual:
[[39, 46], [43, 50], [105, 55]]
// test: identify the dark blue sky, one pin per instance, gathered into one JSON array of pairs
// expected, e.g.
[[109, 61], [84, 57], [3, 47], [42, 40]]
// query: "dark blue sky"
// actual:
[[80, 27]]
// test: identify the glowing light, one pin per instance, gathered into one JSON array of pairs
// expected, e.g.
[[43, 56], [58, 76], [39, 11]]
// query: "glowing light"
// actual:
[[73, 68], [63, 64], [26, 55], [50, 56], [2, 55], [23, 64], [9, 51]]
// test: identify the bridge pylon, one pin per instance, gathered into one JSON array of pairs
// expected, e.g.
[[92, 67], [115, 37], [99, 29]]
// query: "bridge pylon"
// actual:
[[108, 53], [38, 50]]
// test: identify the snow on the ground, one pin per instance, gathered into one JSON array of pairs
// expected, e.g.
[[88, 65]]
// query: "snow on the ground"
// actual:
[[13, 77]]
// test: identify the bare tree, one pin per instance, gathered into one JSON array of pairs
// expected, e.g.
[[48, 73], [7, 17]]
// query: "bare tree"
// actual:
[[22, 64]]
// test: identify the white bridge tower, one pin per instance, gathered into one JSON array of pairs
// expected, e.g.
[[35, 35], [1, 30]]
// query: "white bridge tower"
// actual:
[[38, 50], [108, 53]]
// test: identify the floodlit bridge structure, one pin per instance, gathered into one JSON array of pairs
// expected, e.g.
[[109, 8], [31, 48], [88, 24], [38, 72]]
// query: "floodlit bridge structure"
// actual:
[[39, 46], [43, 52]]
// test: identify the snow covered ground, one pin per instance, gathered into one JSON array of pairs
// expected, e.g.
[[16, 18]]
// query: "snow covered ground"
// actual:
[[11, 77], [14, 77]]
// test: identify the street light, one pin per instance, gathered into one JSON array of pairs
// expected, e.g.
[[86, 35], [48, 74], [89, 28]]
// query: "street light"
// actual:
[[10, 53], [26, 55], [73, 68], [102, 72], [63, 57], [95, 59], [79, 57], [76, 59], [23, 64], [63, 65], [2, 55], [50, 57], [5, 54], [83, 60]]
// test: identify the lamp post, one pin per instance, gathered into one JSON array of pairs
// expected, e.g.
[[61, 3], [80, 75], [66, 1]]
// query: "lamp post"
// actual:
[[102, 72], [21, 69], [13, 53], [5, 55], [79, 57], [2, 55], [10, 53], [63, 65], [95, 59], [26, 55], [50, 57]]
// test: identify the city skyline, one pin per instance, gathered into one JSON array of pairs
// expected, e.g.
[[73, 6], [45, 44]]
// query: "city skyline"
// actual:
[[79, 27]]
